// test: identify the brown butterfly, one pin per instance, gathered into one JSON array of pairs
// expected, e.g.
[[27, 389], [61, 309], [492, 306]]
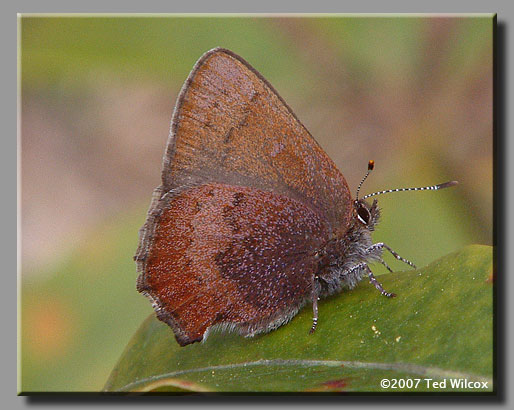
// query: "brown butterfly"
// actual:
[[252, 219]]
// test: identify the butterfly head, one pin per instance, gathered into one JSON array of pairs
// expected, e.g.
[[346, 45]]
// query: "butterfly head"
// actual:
[[367, 215]]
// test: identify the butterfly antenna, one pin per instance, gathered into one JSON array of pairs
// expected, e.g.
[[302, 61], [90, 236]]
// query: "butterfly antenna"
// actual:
[[371, 165], [433, 188]]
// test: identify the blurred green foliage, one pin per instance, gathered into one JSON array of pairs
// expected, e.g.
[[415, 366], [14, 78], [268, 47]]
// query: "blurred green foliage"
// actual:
[[77, 318], [152, 47], [78, 314]]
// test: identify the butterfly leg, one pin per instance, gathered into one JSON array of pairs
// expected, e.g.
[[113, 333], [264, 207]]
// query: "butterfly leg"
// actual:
[[383, 262], [315, 297], [356, 272], [377, 284], [380, 245]]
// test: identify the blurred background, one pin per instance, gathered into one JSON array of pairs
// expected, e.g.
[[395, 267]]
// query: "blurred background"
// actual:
[[97, 94]]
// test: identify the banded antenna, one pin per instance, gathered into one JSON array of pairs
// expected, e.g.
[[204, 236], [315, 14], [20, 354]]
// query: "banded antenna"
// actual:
[[371, 165], [424, 188]]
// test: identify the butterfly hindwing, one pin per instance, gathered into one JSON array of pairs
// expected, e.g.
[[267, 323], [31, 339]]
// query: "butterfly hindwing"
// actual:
[[230, 255]]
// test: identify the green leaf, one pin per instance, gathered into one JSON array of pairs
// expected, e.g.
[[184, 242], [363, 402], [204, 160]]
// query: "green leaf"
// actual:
[[438, 327]]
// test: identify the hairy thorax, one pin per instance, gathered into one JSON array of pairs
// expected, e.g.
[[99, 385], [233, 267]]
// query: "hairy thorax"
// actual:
[[341, 257]]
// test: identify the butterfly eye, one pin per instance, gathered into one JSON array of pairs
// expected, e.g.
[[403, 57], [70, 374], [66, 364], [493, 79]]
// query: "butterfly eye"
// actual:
[[363, 215]]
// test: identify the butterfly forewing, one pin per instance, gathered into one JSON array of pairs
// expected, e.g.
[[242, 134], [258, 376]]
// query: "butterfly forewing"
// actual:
[[230, 126]]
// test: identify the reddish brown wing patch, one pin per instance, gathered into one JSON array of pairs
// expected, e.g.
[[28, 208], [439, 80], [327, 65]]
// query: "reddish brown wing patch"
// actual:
[[230, 126], [231, 255]]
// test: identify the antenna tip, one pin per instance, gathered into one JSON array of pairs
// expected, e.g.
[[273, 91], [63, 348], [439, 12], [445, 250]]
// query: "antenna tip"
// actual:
[[447, 184], [371, 165]]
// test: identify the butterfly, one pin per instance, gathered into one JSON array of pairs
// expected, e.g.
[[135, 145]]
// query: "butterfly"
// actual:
[[252, 219]]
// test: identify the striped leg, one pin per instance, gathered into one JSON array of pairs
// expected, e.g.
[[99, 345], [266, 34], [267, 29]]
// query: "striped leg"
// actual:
[[383, 262], [377, 284], [315, 297], [372, 278], [381, 245]]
